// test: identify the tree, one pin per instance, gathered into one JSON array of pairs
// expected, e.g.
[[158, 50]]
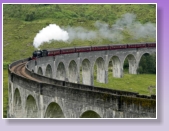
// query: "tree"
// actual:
[[30, 16], [147, 64]]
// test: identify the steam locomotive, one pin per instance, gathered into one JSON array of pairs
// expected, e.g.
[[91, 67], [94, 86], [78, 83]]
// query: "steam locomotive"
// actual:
[[53, 52]]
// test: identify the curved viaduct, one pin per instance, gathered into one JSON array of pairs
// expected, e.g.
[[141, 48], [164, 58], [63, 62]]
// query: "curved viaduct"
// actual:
[[49, 87]]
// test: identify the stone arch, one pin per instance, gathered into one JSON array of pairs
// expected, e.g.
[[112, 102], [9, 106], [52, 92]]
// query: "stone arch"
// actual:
[[54, 111], [40, 72], [17, 105], [73, 73], [147, 63], [144, 53], [61, 71], [31, 107], [100, 69], [86, 72], [132, 63], [48, 71], [90, 114], [116, 67]]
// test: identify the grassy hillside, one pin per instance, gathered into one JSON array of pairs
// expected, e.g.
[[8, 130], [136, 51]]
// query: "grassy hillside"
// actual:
[[21, 23], [133, 83]]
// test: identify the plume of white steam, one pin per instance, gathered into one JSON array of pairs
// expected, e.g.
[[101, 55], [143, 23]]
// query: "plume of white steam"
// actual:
[[113, 33], [135, 28], [49, 33], [110, 33], [81, 33], [126, 23]]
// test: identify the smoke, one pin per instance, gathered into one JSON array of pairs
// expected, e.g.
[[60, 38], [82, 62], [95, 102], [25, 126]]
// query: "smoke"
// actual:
[[49, 33], [81, 33], [135, 28], [115, 33], [127, 23], [107, 32]]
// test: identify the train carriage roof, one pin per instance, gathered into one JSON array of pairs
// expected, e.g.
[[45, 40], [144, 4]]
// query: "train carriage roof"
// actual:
[[82, 47], [67, 48], [100, 46], [53, 49], [151, 42], [116, 44]]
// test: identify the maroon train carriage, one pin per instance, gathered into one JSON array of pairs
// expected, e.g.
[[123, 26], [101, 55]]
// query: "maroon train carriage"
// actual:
[[99, 48], [118, 46], [140, 45], [151, 44], [53, 52], [67, 50], [83, 49], [131, 46]]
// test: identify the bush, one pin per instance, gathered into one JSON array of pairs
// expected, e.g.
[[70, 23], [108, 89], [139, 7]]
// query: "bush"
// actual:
[[5, 65], [140, 70], [30, 16], [147, 64]]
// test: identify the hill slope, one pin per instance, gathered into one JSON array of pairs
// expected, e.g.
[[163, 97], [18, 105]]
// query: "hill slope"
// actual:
[[21, 23]]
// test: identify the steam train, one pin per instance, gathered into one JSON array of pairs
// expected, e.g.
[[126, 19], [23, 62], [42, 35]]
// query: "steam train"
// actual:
[[53, 52]]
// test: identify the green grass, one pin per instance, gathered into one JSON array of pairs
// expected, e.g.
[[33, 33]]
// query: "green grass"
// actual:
[[134, 83], [5, 92], [18, 34]]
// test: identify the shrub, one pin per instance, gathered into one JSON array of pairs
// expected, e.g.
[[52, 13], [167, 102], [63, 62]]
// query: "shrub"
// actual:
[[30, 16], [5, 65]]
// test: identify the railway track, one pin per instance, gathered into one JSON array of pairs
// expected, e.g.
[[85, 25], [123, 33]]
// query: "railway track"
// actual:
[[20, 70], [17, 69]]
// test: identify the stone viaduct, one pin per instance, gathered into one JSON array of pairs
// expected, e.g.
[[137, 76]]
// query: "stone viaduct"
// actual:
[[59, 94]]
